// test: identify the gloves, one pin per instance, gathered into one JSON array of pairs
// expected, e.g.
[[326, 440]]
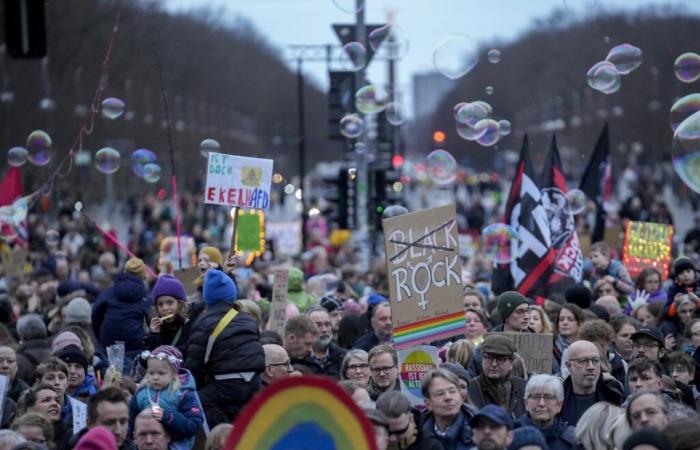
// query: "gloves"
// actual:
[[640, 298]]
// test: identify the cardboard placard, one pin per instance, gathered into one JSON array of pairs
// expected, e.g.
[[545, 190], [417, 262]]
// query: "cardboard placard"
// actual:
[[535, 348], [647, 244], [425, 276], [187, 277], [238, 181], [414, 365], [278, 305], [14, 262]]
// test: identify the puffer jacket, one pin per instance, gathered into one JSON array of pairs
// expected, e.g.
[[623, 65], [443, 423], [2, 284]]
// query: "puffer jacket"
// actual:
[[295, 290], [237, 349], [121, 313]]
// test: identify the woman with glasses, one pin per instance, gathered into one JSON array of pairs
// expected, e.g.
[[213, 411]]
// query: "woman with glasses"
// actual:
[[384, 371], [355, 368]]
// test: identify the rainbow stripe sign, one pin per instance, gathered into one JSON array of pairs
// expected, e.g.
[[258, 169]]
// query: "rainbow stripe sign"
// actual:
[[425, 276], [300, 413]]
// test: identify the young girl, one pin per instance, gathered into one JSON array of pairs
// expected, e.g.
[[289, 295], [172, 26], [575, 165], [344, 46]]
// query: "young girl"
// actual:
[[170, 398], [169, 324]]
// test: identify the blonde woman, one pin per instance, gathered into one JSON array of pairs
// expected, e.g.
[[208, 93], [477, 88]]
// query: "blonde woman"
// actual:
[[539, 320], [460, 352], [594, 429]]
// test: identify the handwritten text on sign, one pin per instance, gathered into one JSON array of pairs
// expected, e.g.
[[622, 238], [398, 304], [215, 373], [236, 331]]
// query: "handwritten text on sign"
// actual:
[[278, 305], [535, 348], [238, 181], [647, 244]]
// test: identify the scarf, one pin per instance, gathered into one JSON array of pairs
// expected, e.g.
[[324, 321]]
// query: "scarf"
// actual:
[[375, 391], [498, 392]]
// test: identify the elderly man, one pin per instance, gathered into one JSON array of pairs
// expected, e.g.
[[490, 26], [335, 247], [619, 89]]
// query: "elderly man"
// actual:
[[647, 410], [381, 328], [325, 356], [544, 397], [403, 423], [149, 433], [585, 386], [447, 418], [8, 367], [383, 371], [277, 364], [496, 384], [492, 428]]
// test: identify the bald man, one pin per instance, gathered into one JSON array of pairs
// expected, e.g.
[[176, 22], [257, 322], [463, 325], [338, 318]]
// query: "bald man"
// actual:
[[611, 305], [585, 386], [277, 364]]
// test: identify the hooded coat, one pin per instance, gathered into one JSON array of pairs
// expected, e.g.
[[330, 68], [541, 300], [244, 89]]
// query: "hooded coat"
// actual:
[[295, 290]]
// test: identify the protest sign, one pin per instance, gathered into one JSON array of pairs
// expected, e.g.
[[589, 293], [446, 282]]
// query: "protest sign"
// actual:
[[250, 232], [238, 181], [187, 277], [4, 387], [425, 284], [170, 253], [414, 365], [278, 305], [286, 237], [14, 262], [535, 348], [79, 410], [647, 244]]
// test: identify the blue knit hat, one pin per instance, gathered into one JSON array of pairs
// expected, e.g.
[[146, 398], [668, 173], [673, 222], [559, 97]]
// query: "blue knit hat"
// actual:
[[218, 287], [524, 436], [169, 285]]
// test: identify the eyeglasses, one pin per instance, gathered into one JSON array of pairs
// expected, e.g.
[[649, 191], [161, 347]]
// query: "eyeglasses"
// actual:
[[380, 370], [285, 363], [172, 359], [499, 359], [357, 367], [539, 397], [585, 362], [521, 311], [647, 345]]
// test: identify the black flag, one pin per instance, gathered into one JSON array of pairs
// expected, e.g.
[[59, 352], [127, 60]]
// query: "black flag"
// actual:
[[596, 181]]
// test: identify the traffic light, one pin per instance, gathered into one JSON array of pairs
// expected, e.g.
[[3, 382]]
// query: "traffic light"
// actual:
[[340, 101], [387, 190], [340, 195]]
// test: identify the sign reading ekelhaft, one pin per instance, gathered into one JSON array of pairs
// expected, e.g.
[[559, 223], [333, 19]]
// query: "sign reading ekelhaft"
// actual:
[[425, 276], [238, 181]]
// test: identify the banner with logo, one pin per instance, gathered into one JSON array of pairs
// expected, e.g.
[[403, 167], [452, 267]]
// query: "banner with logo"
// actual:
[[414, 365], [238, 181]]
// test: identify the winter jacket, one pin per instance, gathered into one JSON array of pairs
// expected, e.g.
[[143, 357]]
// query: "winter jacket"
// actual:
[[237, 349], [459, 435], [559, 435], [85, 390], [480, 396], [330, 366], [605, 391], [366, 341], [623, 280], [182, 423], [678, 288], [175, 333], [16, 389], [295, 290], [30, 354], [120, 313]]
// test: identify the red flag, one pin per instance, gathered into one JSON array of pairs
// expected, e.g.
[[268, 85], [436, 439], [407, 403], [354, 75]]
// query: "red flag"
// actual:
[[11, 187]]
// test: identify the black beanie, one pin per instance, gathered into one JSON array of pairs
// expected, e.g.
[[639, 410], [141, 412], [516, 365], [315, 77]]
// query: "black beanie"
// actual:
[[647, 436], [579, 295], [600, 311], [681, 264], [73, 354]]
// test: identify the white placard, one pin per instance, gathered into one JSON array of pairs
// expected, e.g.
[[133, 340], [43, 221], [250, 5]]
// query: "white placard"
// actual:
[[238, 181]]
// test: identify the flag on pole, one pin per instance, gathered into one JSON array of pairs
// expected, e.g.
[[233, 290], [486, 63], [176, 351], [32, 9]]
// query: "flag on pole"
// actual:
[[596, 182], [568, 261]]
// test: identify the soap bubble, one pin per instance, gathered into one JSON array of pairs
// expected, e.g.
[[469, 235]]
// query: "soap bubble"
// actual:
[[352, 126], [353, 57], [107, 160], [17, 156], [209, 145], [151, 173], [112, 107], [442, 167], [625, 58], [576, 200], [348, 6], [289, 188], [78, 206], [686, 151], [468, 132], [496, 239], [456, 108], [683, 108], [491, 134], [455, 56], [52, 238], [504, 127], [603, 76], [371, 99], [394, 114], [277, 178], [471, 113], [393, 211], [392, 39], [38, 147], [687, 67], [489, 90], [485, 105], [494, 56], [139, 159]]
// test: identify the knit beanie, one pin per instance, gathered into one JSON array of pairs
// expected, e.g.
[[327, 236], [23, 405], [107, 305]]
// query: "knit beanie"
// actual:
[[508, 301], [600, 312], [136, 267], [65, 339], [97, 438], [579, 295], [168, 351], [218, 287], [681, 264], [73, 354], [375, 299], [169, 285], [214, 254], [78, 310], [647, 436], [524, 436]]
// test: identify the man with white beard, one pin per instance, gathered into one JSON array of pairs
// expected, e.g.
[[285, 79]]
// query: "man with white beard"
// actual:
[[326, 356]]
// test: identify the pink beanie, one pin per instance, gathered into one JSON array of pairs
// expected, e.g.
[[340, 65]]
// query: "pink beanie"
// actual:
[[65, 339], [98, 438]]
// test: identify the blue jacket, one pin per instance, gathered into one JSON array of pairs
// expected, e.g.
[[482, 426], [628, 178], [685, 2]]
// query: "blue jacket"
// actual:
[[559, 436], [121, 313], [459, 435]]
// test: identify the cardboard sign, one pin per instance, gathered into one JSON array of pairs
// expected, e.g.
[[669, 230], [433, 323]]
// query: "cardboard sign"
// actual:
[[187, 277], [238, 181], [169, 251], [647, 244], [414, 365], [535, 348], [14, 262], [250, 232], [425, 276], [278, 305]]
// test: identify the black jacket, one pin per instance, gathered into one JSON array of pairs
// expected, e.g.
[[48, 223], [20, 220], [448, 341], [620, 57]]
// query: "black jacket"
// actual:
[[30, 354], [459, 435], [367, 341], [605, 391], [559, 435], [236, 349], [329, 367]]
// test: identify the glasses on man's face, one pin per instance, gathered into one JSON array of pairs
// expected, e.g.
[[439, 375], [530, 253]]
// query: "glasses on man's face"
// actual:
[[521, 311], [381, 370], [357, 367], [646, 345], [548, 398], [284, 363], [498, 359], [585, 362]]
